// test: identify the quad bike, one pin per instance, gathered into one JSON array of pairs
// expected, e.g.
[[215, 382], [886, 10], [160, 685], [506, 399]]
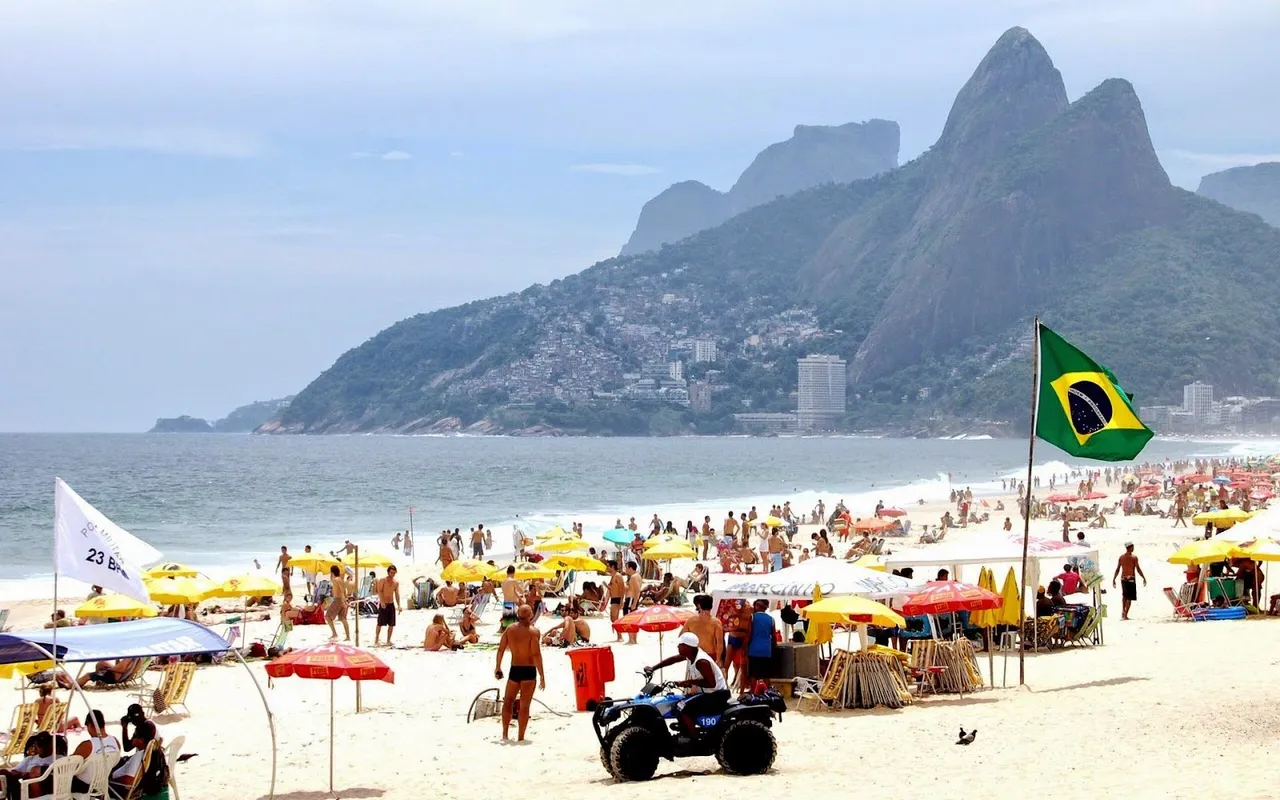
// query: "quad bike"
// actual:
[[635, 733]]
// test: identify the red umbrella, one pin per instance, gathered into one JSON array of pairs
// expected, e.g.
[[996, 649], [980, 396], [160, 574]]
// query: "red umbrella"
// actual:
[[1062, 498], [1145, 492], [328, 662], [873, 524], [892, 512], [947, 597], [654, 619], [1095, 496], [1196, 478]]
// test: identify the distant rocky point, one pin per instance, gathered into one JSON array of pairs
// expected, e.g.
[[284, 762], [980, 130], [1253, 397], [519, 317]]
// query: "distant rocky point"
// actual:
[[244, 419], [814, 155], [1254, 189]]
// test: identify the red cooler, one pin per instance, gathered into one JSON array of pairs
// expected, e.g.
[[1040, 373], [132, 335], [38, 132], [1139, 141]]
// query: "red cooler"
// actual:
[[592, 669]]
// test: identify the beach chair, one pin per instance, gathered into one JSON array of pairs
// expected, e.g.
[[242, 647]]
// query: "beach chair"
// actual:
[[52, 718], [133, 679], [100, 766], [24, 719], [62, 771], [171, 758], [147, 698], [1181, 610], [828, 693], [1085, 634], [4, 618], [135, 790], [279, 640]]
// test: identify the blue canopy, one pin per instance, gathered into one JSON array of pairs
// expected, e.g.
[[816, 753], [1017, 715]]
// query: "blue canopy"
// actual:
[[141, 638]]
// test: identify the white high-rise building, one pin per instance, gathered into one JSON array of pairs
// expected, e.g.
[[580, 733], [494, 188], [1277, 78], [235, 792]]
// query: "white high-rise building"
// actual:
[[821, 401], [1197, 400], [704, 350]]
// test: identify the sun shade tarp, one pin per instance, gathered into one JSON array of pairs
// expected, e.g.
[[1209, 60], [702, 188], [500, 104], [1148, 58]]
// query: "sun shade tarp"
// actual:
[[143, 638]]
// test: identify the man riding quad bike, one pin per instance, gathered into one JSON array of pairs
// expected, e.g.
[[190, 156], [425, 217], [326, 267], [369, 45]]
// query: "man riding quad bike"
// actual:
[[699, 720]]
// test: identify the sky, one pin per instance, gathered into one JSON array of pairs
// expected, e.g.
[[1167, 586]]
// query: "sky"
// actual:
[[204, 204]]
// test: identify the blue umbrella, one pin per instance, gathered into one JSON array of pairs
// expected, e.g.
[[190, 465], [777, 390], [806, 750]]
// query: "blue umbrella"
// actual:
[[619, 536], [1222, 480]]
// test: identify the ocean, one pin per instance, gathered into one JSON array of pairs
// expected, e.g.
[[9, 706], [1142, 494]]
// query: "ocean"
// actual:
[[220, 501]]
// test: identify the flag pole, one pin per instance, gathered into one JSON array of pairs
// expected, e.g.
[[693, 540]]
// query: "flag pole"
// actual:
[[55, 583], [1026, 513]]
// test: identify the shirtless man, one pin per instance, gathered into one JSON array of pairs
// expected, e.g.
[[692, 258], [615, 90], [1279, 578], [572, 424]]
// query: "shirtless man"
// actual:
[[632, 601], [388, 590], [511, 597], [570, 633], [614, 591], [731, 526], [707, 628], [282, 566], [705, 536], [477, 542], [337, 608], [447, 595], [735, 652], [1126, 568], [438, 636], [523, 641]]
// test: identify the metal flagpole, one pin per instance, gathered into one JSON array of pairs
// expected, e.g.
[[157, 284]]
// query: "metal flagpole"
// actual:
[[413, 554], [1026, 515], [359, 698], [55, 583]]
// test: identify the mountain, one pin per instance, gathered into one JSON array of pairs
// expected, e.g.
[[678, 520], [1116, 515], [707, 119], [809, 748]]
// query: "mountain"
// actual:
[[814, 155], [1254, 189], [925, 278], [244, 419]]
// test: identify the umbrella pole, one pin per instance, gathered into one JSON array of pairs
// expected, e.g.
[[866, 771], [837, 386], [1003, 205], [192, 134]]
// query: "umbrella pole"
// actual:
[[359, 698], [331, 683]]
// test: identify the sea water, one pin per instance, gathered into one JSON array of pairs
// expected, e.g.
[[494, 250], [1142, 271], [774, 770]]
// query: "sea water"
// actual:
[[219, 501]]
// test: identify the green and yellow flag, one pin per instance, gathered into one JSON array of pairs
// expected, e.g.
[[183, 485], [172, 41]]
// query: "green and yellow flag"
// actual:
[[1081, 407]]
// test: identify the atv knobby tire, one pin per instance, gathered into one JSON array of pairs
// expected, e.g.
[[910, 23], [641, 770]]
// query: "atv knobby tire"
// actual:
[[608, 764], [634, 755], [747, 748]]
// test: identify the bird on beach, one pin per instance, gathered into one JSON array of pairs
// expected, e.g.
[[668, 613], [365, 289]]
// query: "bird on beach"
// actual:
[[967, 738]]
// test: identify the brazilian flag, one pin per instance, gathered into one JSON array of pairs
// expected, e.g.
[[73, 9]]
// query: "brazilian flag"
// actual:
[[1081, 407]]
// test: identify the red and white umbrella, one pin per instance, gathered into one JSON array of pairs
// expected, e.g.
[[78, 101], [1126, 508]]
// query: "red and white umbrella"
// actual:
[[948, 597], [653, 619]]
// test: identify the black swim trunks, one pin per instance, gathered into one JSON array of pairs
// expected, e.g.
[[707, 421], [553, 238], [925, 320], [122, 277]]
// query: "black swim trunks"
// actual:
[[615, 601], [387, 615], [522, 674], [1129, 589], [626, 606]]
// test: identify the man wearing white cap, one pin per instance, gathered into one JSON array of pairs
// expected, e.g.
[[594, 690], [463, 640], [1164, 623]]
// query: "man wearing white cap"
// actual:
[[707, 691]]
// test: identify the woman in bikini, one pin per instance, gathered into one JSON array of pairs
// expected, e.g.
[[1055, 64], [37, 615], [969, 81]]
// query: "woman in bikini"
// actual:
[[736, 630]]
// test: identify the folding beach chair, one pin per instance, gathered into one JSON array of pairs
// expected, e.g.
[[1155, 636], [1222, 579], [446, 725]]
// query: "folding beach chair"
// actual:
[[52, 718], [1183, 610], [24, 719]]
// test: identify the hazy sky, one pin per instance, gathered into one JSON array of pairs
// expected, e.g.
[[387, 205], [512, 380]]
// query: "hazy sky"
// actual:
[[204, 204]]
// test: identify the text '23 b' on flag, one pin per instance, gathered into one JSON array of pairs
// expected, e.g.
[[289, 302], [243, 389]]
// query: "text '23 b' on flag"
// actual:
[[91, 548], [1080, 406]]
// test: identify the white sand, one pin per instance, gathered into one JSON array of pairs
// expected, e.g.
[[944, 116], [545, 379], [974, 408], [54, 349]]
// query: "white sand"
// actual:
[[1165, 708]]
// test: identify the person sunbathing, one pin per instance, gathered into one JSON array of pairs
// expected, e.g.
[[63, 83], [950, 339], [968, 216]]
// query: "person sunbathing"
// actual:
[[438, 636], [109, 672], [570, 633], [467, 627], [658, 594], [448, 595]]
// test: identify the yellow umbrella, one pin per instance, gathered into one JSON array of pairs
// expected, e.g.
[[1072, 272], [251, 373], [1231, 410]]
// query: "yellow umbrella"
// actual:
[[249, 585], [525, 571], [317, 563], [870, 561], [179, 591], [1221, 515], [25, 668], [1011, 611], [114, 605], [562, 544], [850, 608], [985, 618], [819, 632], [555, 533], [578, 562], [466, 570], [670, 550], [772, 522], [1260, 550], [663, 538], [368, 560], [171, 570], [1203, 551]]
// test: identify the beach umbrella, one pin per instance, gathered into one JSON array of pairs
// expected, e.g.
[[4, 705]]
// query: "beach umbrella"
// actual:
[[554, 533], [870, 561], [986, 617], [853, 610], [316, 563], [1061, 497], [1096, 496], [653, 619], [1203, 551], [525, 571], [772, 522], [24, 669], [1218, 516], [179, 591], [1011, 601], [819, 632], [329, 662], [466, 570], [1146, 491], [1259, 550], [948, 597], [171, 570], [1222, 480], [565, 543], [873, 524], [575, 562], [618, 536], [669, 551], [114, 605], [247, 585], [1194, 478], [892, 512], [368, 560], [664, 538]]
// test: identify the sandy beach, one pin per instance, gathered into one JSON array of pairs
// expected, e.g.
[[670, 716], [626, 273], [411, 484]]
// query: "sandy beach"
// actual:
[[1165, 707]]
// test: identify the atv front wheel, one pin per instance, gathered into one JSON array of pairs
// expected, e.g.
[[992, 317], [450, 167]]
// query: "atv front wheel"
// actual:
[[634, 755], [747, 748], [608, 765]]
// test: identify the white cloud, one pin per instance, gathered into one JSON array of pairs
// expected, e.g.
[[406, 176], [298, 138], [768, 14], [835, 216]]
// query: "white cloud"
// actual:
[[209, 143], [395, 155], [1217, 161], [628, 170]]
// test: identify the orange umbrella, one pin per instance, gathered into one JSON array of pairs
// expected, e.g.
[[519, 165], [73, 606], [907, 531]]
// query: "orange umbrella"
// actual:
[[655, 619], [873, 524], [948, 597], [328, 662]]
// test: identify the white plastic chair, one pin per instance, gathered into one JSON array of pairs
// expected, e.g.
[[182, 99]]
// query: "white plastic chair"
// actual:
[[171, 759], [62, 771], [100, 784]]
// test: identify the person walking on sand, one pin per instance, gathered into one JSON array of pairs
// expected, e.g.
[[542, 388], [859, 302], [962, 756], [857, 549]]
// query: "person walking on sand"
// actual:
[[282, 566], [337, 608], [388, 590], [524, 644], [635, 585], [1126, 568], [615, 590]]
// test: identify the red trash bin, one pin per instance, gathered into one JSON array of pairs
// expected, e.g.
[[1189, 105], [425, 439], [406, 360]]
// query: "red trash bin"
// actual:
[[592, 669]]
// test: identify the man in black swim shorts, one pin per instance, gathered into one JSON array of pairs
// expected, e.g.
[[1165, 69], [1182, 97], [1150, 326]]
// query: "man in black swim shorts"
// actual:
[[524, 644], [388, 590]]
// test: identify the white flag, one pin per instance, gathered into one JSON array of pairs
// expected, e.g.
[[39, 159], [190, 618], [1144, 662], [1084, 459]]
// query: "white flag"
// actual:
[[93, 549]]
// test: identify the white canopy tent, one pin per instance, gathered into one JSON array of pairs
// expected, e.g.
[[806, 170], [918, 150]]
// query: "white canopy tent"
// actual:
[[833, 576], [1266, 524]]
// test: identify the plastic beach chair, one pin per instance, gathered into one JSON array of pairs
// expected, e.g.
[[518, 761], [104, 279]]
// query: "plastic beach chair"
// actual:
[[171, 758], [62, 771]]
